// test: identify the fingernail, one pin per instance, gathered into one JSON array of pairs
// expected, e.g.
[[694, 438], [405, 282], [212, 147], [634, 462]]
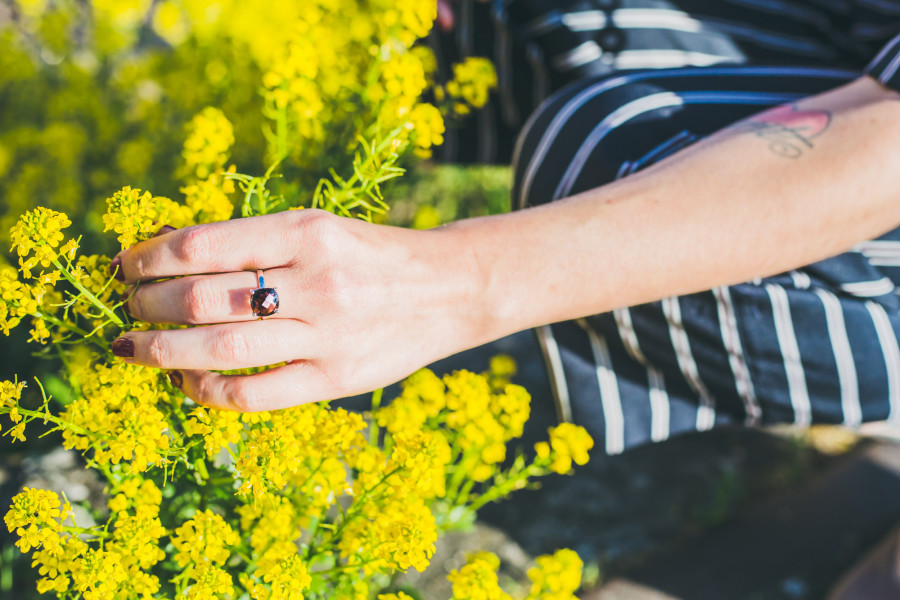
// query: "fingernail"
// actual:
[[123, 348], [115, 269], [175, 378], [164, 230]]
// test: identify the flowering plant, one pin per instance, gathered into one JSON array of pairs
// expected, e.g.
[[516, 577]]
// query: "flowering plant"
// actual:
[[307, 502]]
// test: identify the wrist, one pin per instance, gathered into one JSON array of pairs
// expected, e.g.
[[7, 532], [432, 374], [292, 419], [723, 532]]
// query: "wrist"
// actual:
[[483, 307]]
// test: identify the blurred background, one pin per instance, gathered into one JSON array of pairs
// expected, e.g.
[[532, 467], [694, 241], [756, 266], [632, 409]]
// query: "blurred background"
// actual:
[[96, 95]]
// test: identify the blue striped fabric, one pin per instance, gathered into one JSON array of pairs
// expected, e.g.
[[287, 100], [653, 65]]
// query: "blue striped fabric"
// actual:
[[540, 46], [816, 345]]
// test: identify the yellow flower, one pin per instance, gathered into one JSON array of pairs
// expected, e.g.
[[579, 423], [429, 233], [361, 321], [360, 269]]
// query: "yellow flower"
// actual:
[[394, 533], [422, 457], [568, 443], [36, 518], [219, 428], [204, 539], [57, 563], [17, 300], [212, 583], [134, 216], [36, 237], [286, 578], [477, 580], [97, 574], [209, 140], [473, 79], [427, 126], [556, 576]]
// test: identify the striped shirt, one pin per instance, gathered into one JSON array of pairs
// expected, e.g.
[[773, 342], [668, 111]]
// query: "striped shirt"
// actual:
[[603, 88], [539, 46]]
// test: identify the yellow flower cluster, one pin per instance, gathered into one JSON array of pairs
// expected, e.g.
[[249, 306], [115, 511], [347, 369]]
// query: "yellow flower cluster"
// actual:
[[135, 216], [116, 569], [286, 579], [10, 393], [556, 576], [485, 421], [205, 201], [209, 139], [210, 583], [473, 79], [36, 517], [394, 533], [17, 299], [568, 443], [206, 150], [477, 580], [482, 419], [204, 539], [218, 428], [300, 446], [117, 415], [37, 236]]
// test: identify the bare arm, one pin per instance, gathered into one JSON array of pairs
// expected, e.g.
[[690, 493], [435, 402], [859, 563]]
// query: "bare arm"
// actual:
[[785, 188]]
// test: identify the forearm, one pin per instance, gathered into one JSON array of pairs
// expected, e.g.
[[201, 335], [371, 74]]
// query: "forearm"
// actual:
[[723, 211]]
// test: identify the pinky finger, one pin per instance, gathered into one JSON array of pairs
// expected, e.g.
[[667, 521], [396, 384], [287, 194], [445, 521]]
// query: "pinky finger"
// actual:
[[296, 383]]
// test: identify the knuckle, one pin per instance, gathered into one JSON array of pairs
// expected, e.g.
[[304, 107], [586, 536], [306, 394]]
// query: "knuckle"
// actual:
[[242, 396], [198, 304], [203, 390], [134, 305], [336, 286], [197, 245], [231, 346], [159, 350], [318, 227], [138, 264]]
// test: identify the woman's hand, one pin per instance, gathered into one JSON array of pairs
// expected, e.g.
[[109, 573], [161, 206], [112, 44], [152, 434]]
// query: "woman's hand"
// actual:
[[361, 306]]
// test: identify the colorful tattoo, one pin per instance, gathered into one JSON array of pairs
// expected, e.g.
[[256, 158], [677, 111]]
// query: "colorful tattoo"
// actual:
[[789, 130]]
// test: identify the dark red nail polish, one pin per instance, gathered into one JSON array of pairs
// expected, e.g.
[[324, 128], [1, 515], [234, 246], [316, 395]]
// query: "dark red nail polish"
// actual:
[[175, 378], [164, 230], [115, 269], [123, 348]]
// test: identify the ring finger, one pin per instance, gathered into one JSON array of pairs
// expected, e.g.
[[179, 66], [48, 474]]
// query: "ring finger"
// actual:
[[205, 299], [218, 347]]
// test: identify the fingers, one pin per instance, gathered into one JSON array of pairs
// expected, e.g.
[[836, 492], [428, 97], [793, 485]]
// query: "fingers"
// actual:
[[221, 347], [237, 245], [205, 299], [296, 383]]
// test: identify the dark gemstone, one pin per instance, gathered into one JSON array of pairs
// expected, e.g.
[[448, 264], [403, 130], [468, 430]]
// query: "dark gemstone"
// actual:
[[264, 302]]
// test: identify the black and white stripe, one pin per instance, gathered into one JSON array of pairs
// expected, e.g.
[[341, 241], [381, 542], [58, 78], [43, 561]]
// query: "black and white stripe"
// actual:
[[815, 344]]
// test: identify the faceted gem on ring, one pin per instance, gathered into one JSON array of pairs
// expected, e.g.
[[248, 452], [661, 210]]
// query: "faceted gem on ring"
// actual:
[[264, 302]]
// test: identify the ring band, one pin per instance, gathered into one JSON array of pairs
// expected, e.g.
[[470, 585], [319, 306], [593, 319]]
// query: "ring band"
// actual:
[[263, 301]]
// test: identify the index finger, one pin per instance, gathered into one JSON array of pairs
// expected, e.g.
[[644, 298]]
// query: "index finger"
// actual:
[[238, 245]]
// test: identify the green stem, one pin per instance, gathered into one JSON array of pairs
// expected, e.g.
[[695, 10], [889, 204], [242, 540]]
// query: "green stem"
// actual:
[[60, 323], [506, 487], [94, 300], [373, 426], [344, 568]]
